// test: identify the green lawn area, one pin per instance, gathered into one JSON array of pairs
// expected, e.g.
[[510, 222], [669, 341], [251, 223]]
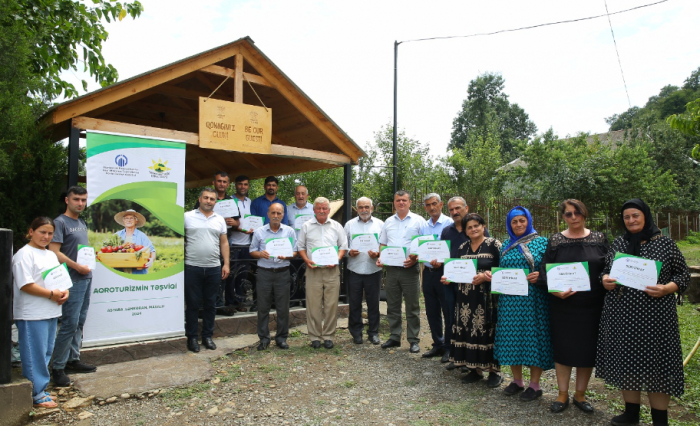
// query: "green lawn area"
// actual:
[[689, 322]]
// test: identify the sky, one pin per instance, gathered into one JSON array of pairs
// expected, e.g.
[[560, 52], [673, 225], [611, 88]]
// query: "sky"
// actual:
[[341, 54]]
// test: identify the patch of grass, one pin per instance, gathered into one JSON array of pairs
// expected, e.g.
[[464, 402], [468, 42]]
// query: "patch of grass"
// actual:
[[295, 333], [349, 384], [176, 397], [269, 368], [689, 324], [410, 382], [321, 402]]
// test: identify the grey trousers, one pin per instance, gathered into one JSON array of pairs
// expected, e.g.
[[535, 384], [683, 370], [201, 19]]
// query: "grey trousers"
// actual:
[[273, 286], [403, 283]]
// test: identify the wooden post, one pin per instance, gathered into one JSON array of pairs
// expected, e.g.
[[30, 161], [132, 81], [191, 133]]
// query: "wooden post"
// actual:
[[238, 79], [687, 230], [73, 154]]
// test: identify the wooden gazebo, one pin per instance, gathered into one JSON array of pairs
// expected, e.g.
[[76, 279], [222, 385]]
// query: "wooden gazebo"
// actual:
[[165, 103]]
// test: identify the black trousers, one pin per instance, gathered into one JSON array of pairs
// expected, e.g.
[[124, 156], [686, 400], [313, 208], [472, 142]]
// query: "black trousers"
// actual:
[[273, 286], [370, 285]]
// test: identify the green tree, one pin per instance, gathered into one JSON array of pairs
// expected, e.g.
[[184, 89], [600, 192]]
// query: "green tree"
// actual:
[[486, 102], [688, 123]]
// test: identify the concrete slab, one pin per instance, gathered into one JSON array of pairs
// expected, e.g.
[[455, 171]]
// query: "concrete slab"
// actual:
[[15, 401]]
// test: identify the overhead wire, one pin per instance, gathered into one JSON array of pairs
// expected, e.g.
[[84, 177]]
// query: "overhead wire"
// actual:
[[619, 62]]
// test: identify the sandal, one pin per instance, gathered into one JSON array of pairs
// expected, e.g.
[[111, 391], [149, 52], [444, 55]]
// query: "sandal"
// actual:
[[49, 395], [45, 402]]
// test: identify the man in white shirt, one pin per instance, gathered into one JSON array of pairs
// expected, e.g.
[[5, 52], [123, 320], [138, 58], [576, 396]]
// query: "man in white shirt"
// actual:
[[273, 277], [205, 243], [365, 275], [433, 292], [402, 282], [322, 281], [239, 287], [298, 213]]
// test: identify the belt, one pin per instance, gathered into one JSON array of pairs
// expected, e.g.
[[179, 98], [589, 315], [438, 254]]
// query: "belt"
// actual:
[[275, 270]]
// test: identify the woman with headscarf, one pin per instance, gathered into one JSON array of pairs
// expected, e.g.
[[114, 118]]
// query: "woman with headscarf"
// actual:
[[575, 316], [639, 347], [522, 330], [130, 220]]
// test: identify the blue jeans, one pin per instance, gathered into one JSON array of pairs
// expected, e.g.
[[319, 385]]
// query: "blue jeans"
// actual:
[[36, 342], [436, 306], [201, 287], [70, 334]]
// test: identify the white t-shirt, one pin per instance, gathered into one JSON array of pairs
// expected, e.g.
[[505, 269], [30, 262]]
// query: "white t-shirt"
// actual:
[[27, 265]]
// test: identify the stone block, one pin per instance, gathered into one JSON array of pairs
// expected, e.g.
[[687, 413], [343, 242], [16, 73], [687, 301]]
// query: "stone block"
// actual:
[[15, 401], [693, 291]]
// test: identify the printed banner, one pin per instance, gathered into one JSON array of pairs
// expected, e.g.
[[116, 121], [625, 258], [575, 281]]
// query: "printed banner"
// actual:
[[136, 225]]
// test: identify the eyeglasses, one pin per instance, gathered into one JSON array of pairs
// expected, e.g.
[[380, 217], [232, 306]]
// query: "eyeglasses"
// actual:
[[569, 215]]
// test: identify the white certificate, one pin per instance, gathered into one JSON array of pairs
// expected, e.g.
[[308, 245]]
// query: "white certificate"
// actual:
[[460, 270], [301, 219], [568, 276], [251, 222], [415, 242], [509, 281], [393, 256], [277, 247], [325, 256], [433, 250], [365, 242], [57, 278], [635, 272], [86, 256], [227, 208]]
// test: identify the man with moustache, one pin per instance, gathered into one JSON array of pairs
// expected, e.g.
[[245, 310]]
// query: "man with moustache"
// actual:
[[365, 275], [433, 292], [261, 204], [322, 282], [402, 282], [272, 277], [205, 243], [239, 243]]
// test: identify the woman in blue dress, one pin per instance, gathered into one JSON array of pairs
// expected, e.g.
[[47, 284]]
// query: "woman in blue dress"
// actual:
[[522, 330]]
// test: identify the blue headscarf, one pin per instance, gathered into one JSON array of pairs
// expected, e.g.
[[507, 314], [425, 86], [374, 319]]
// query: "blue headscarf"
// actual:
[[518, 211]]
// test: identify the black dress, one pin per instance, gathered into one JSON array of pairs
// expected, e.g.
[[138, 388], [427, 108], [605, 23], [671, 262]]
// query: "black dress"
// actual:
[[639, 348], [474, 327], [574, 321]]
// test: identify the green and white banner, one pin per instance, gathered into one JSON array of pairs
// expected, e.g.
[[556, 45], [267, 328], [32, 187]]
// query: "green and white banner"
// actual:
[[136, 226]]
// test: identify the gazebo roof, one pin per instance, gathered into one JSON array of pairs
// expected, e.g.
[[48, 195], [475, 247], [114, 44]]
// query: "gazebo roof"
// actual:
[[165, 103]]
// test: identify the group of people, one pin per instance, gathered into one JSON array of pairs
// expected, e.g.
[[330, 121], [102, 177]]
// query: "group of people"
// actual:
[[629, 336]]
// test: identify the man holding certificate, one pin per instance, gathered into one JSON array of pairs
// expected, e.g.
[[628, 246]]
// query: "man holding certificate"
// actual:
[[322, 243], [273, 245], [363, 233], [402, 280]]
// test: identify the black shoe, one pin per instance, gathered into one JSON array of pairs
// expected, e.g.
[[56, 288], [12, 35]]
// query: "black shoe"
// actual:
[[263, 345], [624, 419], [208, 343], [374, 339], [584, 406], [228, 311], [558, 407], [414, 348], [282, 344], [451, 366], [530, 395], [472, 377], [494, 380], [80, 367], [445, 356], [512, 389], [316, 344], [328, 344], [391, 344], [357, 340], [60, 379], [192, 344], [434, 351]]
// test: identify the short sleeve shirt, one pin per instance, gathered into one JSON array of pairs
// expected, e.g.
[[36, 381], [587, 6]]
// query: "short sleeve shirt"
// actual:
[[27, 265], [362, 263], [261, 235], [71, 233], [329, 233], [202, 239], [399, 232], [238, 238]]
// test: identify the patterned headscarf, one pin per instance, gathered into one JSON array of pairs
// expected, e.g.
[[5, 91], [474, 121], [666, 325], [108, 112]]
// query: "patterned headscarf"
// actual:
[[518, 211]]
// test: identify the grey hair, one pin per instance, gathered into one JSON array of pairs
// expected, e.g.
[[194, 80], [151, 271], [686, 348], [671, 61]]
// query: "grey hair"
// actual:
[[431, 195], [457, 198], [321, 200], [364, 199]]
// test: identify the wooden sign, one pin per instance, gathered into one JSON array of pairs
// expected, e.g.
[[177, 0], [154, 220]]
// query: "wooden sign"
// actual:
[[234, 126]]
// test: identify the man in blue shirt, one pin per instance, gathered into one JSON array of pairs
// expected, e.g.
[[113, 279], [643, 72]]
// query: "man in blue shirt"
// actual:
[[261, 204]]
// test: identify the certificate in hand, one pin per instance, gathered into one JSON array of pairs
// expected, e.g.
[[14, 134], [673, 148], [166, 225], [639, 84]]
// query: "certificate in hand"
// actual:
[[415, 242], [460, 270], [565, 276], [393, 256], [227, 208], [57, 278], [365, 242], [251, 222], [433, 250], [325, 256], [635, 272], [86, 256], [509, 281], [277, 247], [300, 220]]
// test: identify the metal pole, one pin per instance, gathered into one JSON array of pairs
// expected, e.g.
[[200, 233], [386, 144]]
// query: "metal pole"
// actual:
[[347, 192], [396, 58], [5, 306], [73, 155]]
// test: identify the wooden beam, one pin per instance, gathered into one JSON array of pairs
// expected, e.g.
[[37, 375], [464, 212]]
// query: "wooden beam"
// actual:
[[324, 157], [151, 107], [88, 123], [249, 158], [187, 93], [229, 72], [238, 80], [203, 79], [211, 159]]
